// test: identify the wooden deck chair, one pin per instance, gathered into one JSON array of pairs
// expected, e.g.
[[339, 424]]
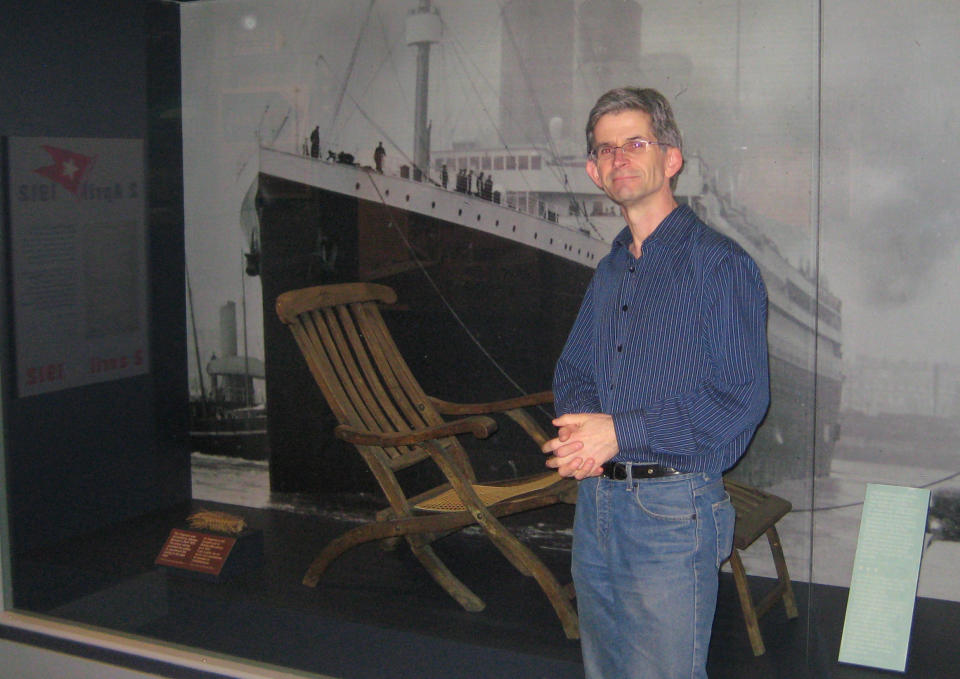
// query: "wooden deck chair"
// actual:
[[757, 514], [393, 423]]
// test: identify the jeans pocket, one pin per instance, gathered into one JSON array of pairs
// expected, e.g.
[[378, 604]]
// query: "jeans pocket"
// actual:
[[666, 501], [724, 518]]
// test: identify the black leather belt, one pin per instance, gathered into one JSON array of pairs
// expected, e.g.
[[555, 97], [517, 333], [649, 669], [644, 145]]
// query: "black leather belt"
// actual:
[[618, 471]]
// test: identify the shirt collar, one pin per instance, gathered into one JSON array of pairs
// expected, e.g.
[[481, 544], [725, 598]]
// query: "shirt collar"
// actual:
[[671, 231]]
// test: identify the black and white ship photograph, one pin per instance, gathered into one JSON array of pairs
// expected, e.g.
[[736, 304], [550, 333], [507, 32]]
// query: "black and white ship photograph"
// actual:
[[480, 215]]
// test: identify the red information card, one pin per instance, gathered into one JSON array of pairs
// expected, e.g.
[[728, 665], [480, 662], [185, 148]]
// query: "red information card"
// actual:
[[200, 552]]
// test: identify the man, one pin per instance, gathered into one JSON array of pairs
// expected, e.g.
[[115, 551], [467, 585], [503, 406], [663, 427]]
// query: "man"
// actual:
[[378, 154], [315, 142], [660, 386]]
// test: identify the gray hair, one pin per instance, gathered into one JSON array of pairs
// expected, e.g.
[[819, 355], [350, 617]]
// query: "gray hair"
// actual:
[[648, 101]]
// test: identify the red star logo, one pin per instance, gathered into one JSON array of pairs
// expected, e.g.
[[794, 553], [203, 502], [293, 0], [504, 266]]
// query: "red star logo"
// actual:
[[68, 169]]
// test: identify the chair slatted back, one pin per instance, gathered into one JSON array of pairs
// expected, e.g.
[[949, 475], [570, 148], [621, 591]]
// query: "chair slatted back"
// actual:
[[356, 363]]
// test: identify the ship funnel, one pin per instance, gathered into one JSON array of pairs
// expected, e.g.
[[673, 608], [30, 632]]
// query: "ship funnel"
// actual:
[[228, 329], [423, 29], [424, 26]]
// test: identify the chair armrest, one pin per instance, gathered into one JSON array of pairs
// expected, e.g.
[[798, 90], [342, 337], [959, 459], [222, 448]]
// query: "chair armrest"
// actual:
[[448, 408], [480, 427]]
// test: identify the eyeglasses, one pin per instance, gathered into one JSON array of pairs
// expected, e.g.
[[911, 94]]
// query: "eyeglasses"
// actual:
[[634, 147]]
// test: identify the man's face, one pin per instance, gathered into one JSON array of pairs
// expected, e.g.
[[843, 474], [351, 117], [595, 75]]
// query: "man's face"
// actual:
[[632, 179]]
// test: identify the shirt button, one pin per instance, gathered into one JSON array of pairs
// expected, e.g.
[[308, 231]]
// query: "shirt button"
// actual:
[[619, 348], [624, 307], [633, 269]]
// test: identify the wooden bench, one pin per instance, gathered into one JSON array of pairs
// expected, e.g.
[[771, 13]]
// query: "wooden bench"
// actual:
[[757, 514]]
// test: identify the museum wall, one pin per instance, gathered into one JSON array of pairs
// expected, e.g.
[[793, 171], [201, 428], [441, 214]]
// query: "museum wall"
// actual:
[[83, 458]]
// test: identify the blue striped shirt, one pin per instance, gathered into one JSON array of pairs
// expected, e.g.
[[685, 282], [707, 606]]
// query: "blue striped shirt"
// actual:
[[674, 346]]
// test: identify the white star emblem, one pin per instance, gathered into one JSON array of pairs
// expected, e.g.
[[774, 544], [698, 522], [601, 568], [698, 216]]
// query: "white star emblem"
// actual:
[[69, 169]]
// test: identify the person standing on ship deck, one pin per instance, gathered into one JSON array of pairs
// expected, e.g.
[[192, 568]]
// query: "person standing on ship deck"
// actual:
[[315, 142], [378, 154], [659, 389]]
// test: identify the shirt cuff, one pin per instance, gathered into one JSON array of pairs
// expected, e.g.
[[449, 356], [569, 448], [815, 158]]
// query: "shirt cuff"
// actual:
[[632, 439]]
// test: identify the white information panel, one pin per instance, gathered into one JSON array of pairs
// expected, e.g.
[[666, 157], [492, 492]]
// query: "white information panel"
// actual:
[[78, 251], [883, 589]]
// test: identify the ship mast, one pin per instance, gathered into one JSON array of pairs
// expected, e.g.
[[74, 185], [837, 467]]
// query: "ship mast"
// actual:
[[423, 29]]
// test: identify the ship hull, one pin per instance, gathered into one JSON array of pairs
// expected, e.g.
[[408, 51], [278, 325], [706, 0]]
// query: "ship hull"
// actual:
[[230, 440], [480, 317]]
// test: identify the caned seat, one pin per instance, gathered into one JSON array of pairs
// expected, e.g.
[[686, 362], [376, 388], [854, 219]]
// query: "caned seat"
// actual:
[[757, 514], [383, 411]]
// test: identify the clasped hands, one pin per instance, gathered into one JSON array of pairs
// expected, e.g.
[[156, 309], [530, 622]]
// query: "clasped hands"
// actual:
[[584, 442]]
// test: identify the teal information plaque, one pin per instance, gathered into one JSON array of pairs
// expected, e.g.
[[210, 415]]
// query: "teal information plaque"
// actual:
[[883, 589]]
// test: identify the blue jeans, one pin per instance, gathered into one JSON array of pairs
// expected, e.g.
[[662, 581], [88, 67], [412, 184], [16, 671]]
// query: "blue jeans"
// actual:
[[646, 556]]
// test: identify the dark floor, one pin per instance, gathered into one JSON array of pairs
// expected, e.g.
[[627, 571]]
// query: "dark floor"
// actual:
[[377, 614]]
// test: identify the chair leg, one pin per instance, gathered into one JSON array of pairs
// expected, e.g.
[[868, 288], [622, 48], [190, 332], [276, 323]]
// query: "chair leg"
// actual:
[[789, 601], [746, 603], [342, 544], [516, 552], [443, 577], [419, 545], [515, 559], [417, 528]]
